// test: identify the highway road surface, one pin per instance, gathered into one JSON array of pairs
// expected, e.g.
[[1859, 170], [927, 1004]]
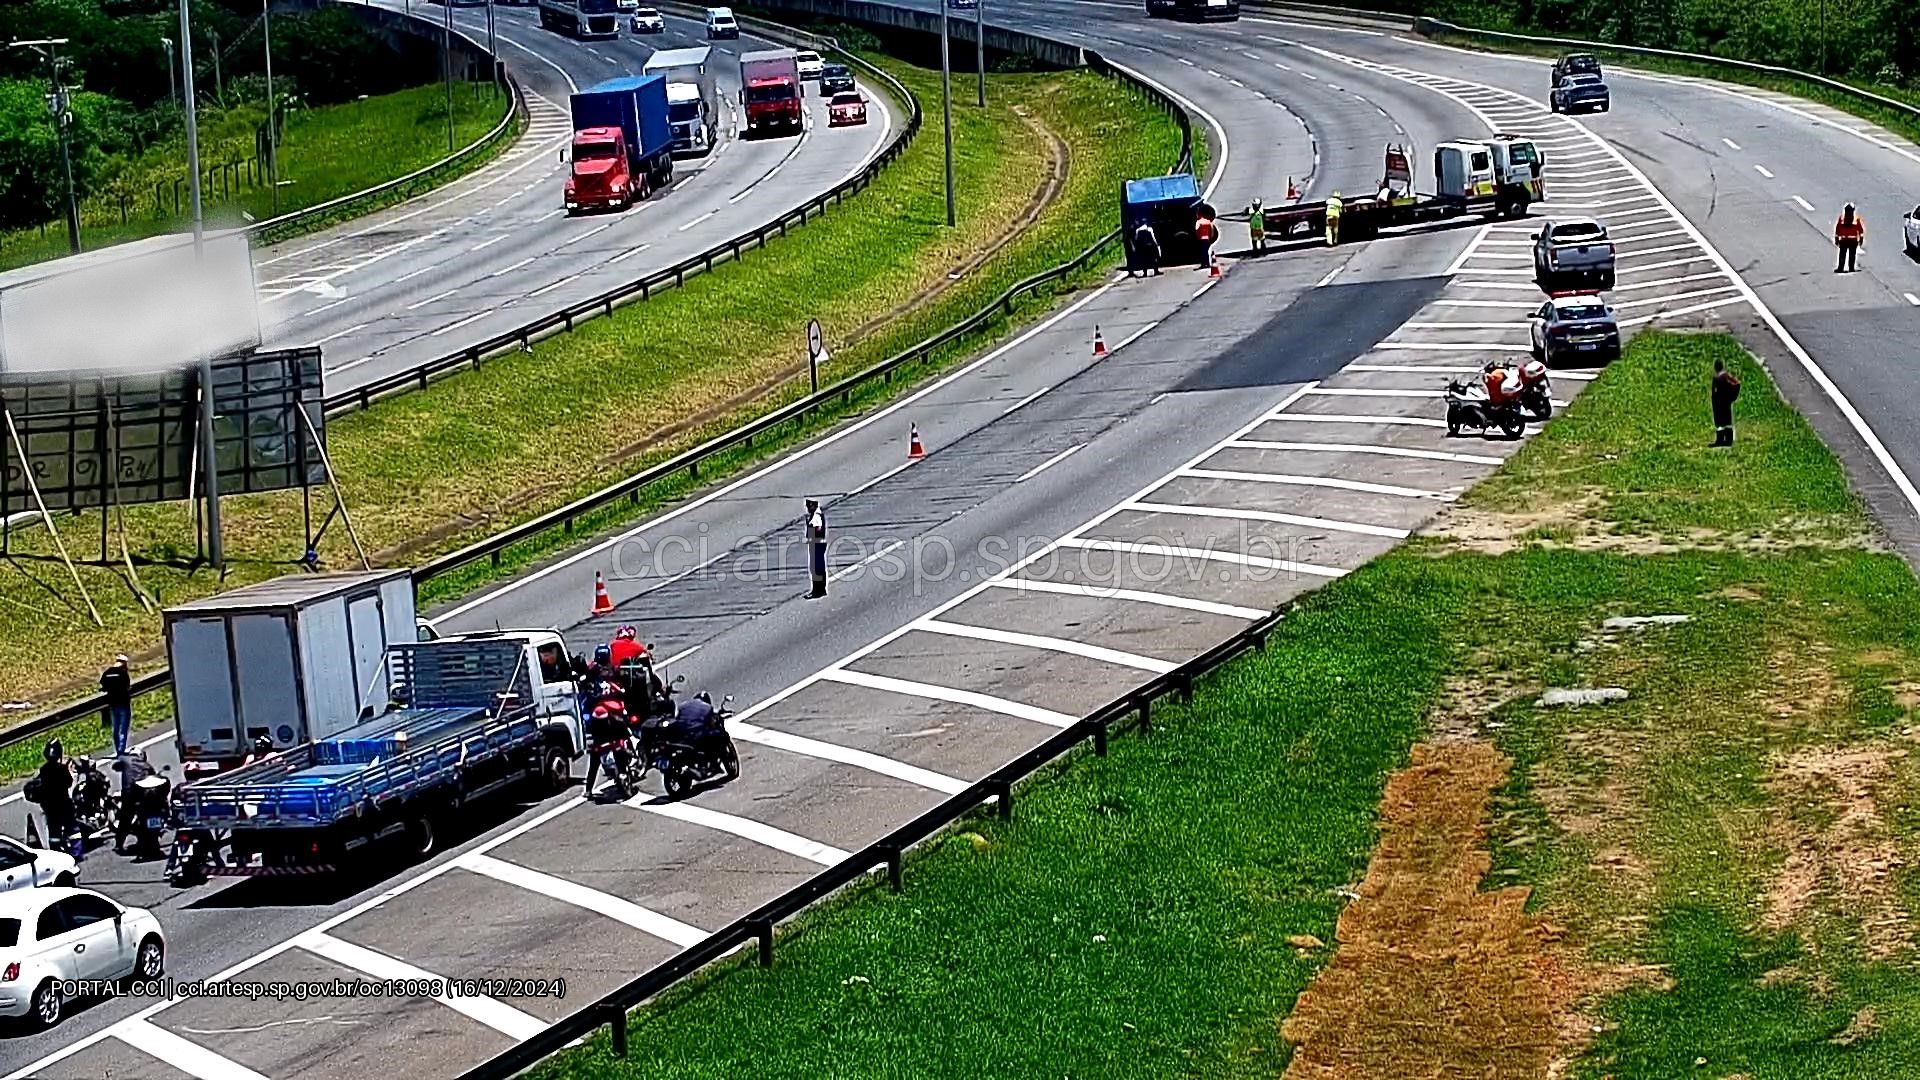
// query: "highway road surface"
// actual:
[[494, 250], [1079, 525]]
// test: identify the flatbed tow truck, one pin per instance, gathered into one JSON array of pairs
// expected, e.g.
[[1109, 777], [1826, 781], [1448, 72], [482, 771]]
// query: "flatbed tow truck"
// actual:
[[1499, 177]]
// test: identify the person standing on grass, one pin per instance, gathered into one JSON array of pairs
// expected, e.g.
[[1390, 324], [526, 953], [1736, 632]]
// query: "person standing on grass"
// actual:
[[1726, 388], [116, 685]]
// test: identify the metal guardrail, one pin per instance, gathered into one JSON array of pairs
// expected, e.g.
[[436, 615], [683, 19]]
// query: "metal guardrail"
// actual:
[[564, 320], [516, 109]]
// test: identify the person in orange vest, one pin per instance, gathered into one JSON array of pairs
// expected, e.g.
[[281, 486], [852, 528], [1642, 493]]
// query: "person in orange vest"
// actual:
[[1204, 233], [1849, 232]]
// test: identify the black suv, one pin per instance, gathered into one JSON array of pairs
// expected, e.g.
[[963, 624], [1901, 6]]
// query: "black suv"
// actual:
[[835, 79], [1574, 64]]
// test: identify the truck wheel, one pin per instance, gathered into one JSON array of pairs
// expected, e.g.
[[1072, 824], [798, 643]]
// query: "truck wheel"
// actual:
[[556, 771], [422, 841]]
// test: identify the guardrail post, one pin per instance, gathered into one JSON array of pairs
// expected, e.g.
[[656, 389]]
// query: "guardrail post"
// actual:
[[616, 1018], [1003, 795], [1146, 712], [1100, 738], [1183, 685], [895, 867], [763, 929]]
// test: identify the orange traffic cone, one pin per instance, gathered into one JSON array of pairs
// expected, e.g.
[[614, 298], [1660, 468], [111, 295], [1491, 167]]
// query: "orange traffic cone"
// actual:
[[1099, 343], [914, 450], [602, 603], [1213, 268], [1293, 193]]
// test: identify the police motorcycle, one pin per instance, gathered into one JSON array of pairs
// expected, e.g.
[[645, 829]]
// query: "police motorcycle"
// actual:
[[94, 804], [146, 806], [692, 745], [1470, 406]]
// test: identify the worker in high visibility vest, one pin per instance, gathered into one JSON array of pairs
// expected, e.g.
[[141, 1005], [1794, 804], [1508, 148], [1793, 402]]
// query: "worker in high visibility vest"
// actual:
[[1333, 219], [1849, 232], [1257, 226]]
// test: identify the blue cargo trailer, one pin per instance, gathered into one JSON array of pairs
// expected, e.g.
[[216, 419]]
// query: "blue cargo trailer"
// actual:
[[1169, 204], [636, 106]]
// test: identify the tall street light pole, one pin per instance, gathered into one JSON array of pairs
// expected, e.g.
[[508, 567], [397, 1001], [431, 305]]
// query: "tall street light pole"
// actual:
[[62, 115], [210, 469], [273, 108], [173, 86], [980, 48], [493, 50], [946, 106], [446, 38]]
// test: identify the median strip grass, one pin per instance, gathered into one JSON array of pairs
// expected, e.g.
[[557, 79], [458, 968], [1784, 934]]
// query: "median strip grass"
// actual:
[[1706, 878], [326, 152], [471, 454]]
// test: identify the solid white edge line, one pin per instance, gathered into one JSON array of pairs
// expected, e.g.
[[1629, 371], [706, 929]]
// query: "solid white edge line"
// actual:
[[1143, 596], [935, 692], [620, 910], [1045, 642], [746, 828], [492, 1012], [1271, 516], [181, 1053]]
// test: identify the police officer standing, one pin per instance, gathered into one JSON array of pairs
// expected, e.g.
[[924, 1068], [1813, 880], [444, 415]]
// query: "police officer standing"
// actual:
[[817, 548]]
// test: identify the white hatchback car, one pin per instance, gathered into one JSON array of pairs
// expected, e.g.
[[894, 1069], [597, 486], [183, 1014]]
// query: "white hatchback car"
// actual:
[[1911, 223], [55, 935], [809, 63], [23, 867]]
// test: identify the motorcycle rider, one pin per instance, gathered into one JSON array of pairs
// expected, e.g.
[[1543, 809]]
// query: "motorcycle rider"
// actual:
[[1503, 386], [606, 727], [696, 724], [55, 793], [133, 767]]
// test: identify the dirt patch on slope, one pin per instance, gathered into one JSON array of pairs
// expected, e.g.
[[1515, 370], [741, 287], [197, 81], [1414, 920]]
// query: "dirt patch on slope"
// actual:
[[1848, 866], [1432, 977], [1575, 525]]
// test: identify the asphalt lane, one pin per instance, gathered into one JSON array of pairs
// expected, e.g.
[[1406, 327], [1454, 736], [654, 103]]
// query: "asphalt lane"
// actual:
[[389, 292]]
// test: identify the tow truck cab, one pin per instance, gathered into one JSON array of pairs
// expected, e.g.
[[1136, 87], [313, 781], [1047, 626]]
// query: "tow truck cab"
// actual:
[[1504, 169]]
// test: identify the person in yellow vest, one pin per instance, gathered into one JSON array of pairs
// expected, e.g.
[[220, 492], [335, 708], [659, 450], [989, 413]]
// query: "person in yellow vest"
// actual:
[[1849, 232], [1333, 219], [1257, 226]]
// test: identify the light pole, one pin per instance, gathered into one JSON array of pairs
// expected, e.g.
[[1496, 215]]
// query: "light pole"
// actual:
[[210, 469], [273, 108], [493, 50], [173, 86], [980, 48], [57, 106], [946, 106], [446, 53]]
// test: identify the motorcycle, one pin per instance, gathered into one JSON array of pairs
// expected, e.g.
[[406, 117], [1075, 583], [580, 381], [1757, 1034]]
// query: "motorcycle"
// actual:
[[685, 763], [622, 765], [192, 852], [1468, 406], [1536, 392], [95, 807], [146, 811]]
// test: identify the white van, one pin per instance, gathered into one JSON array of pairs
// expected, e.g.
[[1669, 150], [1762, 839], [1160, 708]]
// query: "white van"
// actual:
[[720, 24]]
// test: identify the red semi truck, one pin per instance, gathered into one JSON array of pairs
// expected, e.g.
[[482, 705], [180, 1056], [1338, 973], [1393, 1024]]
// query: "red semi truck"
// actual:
[[770, 90], [622, 143]]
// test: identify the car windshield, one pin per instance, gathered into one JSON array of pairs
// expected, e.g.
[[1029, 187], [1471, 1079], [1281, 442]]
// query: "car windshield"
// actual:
[[599, 7], [682, 112], [1522, 153], [1580, 62], [9, 933], [761, 95], [647, 13], [1583, 310], [595, 151], [846, 99], [832, 71], [807, 57], [1584, 230]]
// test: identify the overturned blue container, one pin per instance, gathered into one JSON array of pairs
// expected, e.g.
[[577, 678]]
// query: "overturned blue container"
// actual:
[[1168, 204]]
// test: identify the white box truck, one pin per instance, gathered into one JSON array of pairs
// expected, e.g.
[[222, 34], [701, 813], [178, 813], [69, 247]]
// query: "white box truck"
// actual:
[[291, 659], [693, 98]]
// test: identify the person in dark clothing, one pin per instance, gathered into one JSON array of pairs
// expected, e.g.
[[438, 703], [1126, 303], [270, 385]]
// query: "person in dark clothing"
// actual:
[[1725, 389], [606, 726], [133, 768], [56, 794], [1146, 250], [695, 723], [817, 548], [116, 684]]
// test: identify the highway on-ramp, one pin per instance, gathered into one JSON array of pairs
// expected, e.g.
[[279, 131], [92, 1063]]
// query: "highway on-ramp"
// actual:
[[494, 250], [1078, 525]]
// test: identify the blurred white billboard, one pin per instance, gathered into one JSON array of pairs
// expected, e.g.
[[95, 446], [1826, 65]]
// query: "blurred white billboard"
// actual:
[[149, 306]]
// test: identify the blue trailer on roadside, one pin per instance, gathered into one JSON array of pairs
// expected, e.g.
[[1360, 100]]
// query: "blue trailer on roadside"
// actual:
[[461, 718]]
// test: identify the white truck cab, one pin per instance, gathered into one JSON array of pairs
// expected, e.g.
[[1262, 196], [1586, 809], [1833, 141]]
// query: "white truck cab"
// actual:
[[1505, 169]]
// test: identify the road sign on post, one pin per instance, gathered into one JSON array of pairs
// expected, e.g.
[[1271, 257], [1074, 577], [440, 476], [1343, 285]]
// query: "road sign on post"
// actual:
[[816, 353]]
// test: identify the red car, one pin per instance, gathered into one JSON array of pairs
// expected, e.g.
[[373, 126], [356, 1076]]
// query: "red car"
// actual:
[[847, 107]]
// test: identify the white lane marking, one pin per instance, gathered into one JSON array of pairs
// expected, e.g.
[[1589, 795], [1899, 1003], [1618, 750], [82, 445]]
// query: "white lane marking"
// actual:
[[1762, 170], [934, 692], [505, 270], [1509, 305], [1723, 302], [628, 254], [451, 327], [414, 274], [1318, 481], [1676, 296], [183, 1054], [354, 329], [1165, 551], [1368, 448], [589, 232], [1133, 337], [645, 920], [1521, 325], [549, 287], [1103, 592], [1235, 513], [746, 828], [1628, 256], [1328, 279], [496, 1014], [488, 243], [1204, 289], [1667, 264], [1451, 346], [1045, 642], [434, 299], [1657, 282], [1914, 300], [1731, 145], [1018, 405], [327, 306], [859, 759], [1339, 418], [760, 474], [1047, 464], [1804, 204], [885, 549]]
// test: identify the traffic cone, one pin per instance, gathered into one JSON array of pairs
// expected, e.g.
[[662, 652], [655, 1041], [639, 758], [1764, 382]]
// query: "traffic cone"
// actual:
[[1293, 193], [914, 450], [1213, 268], [1099, 343], [602, 603]]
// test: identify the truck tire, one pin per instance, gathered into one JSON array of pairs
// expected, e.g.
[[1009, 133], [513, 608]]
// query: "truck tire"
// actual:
[[422, 838], [556, 770]]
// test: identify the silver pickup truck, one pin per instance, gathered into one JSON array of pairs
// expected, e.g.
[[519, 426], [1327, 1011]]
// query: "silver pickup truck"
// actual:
[[1573, 250]]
